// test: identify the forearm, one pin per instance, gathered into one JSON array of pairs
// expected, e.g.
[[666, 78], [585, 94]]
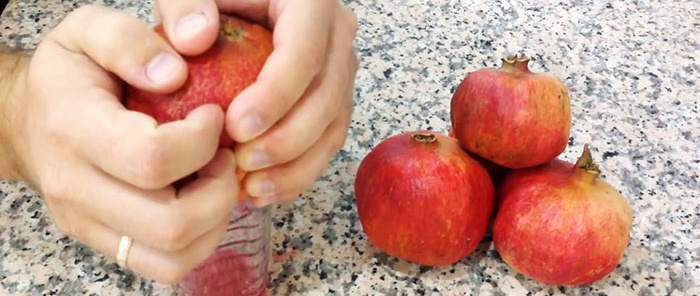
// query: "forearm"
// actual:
[[12, 67]]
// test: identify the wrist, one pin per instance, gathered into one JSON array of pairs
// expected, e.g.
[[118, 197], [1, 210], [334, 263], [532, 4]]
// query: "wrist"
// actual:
[[13, 65]]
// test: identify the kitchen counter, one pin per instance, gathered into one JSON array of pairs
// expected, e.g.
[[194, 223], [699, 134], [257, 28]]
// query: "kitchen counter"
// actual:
[[632, 70]]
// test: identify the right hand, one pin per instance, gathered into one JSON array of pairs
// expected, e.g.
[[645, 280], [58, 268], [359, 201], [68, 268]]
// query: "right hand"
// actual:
[[105, 171]]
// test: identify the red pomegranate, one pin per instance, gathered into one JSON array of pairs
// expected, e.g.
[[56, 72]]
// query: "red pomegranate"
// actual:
[[421, 198], [496, 172], [512, 116], [560, 223], [216, 76]]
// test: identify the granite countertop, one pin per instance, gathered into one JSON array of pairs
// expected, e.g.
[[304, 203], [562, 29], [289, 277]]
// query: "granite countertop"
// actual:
[[632, 72]]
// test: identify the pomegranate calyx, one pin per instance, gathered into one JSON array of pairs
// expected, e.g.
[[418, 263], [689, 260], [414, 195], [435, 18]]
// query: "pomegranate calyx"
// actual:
[[424, 138], [516, 62], [585, 162]]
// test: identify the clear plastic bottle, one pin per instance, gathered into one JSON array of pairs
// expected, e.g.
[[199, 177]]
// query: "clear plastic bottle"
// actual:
[[239, 266]]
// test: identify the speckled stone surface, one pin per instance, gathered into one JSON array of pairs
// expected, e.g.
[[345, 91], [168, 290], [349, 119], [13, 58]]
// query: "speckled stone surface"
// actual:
[[631, 67]]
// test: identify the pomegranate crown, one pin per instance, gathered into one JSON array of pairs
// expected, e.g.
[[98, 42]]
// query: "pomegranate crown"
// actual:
[[586, 163], [516, 58], [518, 61]]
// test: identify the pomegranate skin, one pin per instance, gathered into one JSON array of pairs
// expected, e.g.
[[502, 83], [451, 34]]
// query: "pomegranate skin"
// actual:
[[215, 76], [496, 171], [561, 224], [422, 199], [512, 116]]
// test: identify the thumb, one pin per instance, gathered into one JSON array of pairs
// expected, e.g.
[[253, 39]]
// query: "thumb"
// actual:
[[123, 45], [191, 26]]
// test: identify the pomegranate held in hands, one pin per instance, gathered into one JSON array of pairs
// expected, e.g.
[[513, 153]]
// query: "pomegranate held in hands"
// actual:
[[560, 223], [512, 116], [216, 76], [421, 198]]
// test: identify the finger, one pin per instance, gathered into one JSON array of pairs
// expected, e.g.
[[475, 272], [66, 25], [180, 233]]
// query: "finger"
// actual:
[[145, 60], [160, 219], [300, 39], [286, 181], [326, 97], [75, 215], [305, 122], [152, 263], [142, 153], [191, 26]]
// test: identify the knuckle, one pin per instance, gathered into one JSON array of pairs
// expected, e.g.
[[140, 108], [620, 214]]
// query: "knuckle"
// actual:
[[124, 27], [280, 154], [206, 132], [150, 170], [58, 196], [172, 233], [56, 131], [127, 28], [55, 192], [75, 21], [314, 56]]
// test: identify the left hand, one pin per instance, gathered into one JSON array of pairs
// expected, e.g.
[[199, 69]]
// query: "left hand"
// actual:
[[295, 117]]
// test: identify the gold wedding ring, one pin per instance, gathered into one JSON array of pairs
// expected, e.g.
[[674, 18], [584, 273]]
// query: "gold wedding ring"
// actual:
[[123, 253]]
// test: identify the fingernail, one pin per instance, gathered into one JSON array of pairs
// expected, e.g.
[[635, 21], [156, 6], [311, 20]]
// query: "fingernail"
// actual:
[[162, 68], [250, 126], [258, 159], [265, 188], [190, 25]]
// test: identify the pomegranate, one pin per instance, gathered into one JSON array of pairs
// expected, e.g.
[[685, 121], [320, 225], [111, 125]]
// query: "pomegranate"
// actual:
[[421, 198], [495, 171], [217, 76], [560, 223], [512, 116]]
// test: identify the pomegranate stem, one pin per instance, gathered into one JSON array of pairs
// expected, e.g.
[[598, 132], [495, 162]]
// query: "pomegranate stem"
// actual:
[[585, 161], [424, 138], [517, 61]]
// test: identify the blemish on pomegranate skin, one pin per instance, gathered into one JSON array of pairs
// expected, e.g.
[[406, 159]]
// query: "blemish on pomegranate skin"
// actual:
[[232, 33]]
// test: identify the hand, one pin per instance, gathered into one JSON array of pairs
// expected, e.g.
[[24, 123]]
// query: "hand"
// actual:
[[105, 171], [295, 117]]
